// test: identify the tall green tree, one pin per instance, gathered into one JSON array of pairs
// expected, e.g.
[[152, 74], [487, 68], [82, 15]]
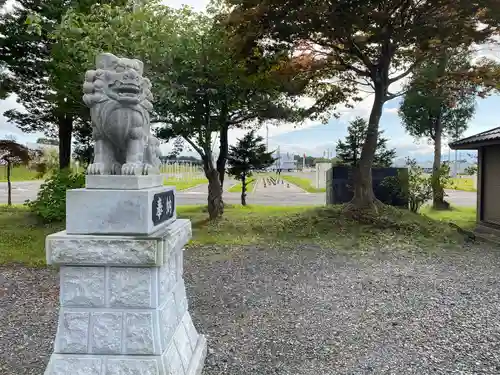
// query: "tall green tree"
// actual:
[[45, 87], [361, 43], [435, 108], [247, 156], [12, 153], [201, 88], [349, 151]]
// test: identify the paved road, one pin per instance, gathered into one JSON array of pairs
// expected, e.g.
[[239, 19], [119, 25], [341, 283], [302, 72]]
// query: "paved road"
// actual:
[[275, 195], [21, 191]]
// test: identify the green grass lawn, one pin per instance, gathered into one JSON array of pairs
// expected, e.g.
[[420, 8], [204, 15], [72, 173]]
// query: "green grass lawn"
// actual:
[[22, 236], [303, 183], [183, 185], [18, 173], [464, 184], [236, 188], [464, 217]]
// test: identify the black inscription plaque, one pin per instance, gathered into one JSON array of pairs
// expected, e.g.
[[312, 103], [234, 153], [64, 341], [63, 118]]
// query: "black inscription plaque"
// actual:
[[163, 206]]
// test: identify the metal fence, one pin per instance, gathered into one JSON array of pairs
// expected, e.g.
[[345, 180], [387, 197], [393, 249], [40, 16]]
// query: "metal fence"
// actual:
[[182, 171]]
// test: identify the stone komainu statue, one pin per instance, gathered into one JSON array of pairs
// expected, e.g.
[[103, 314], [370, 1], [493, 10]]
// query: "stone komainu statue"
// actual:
[[119, 98]]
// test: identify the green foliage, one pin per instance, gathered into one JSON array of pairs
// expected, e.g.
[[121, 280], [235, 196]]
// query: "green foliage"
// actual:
[[44, 73], [349, 151], [310, 161], [48, 162], [344, 46], [247, 156], [50, 204], [23, 236], [471, 170], [433, 107], [419, 185], [303, 183]]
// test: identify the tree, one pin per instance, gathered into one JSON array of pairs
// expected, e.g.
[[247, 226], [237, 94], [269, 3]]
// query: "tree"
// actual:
[[249, 155], [201, 88], [433, 108], [349, 151], [360, 43], [471, 170], [44, 77], [211, 91], [309, 162], [12, 153]]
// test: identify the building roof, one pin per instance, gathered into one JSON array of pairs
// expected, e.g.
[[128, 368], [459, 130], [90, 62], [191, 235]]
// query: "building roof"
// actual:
[[488, 137]]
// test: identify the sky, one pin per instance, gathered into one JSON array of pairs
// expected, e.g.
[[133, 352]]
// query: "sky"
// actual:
[[315, 138]]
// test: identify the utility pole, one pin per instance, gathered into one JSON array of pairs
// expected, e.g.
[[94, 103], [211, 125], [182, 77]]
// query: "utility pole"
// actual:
[[455, 167], [278, 165], [267, 138]]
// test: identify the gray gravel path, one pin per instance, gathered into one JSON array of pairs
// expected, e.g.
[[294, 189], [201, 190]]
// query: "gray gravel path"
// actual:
[[28, 301], [304, 311]]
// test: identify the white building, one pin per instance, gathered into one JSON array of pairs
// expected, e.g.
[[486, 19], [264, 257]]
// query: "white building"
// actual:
[[284, 161]]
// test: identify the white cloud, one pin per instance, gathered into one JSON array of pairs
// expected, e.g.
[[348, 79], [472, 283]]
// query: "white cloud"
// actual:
[[8, 128], [391, 110]]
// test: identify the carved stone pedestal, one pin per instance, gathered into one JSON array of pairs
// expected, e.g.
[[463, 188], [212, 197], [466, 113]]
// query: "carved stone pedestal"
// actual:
[[123, 308]]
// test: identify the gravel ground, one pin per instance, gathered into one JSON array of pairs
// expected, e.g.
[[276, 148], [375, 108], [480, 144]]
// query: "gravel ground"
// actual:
[[304, 311]]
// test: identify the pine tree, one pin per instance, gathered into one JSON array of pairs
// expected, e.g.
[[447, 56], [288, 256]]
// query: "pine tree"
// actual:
[[247, 156], [349, 151]]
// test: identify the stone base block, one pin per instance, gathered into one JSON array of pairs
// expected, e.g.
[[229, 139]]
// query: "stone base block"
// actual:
[[123, 182], [169, 363], [123, 305], [132, 212], [118, 250]]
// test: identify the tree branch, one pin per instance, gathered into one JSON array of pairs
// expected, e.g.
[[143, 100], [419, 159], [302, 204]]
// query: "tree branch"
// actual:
[[357, 51], [405, 73], [347, 66], [241, 119], [390, 96], [193, 145]]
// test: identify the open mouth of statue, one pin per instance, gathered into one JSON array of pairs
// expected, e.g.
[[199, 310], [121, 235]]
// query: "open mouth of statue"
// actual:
[[124, 89]]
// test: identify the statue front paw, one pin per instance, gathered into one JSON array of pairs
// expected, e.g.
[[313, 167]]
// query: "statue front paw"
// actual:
[[98, 168], [116, 169], [148, 169], [132, 169]]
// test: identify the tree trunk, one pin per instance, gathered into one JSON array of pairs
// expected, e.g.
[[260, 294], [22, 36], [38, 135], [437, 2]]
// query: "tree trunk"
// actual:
[[65, 133], [438, 202], [243, 191], [215, 202], [9, 184], [364, 198], [223, 152]]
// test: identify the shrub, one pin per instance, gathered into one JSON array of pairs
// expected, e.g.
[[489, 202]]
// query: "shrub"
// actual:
[[50, 204], [419, 186]]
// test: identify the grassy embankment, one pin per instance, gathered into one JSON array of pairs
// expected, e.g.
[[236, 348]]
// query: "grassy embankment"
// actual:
[[303, 183], [22, 236], [464, 184], [185, 184]]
